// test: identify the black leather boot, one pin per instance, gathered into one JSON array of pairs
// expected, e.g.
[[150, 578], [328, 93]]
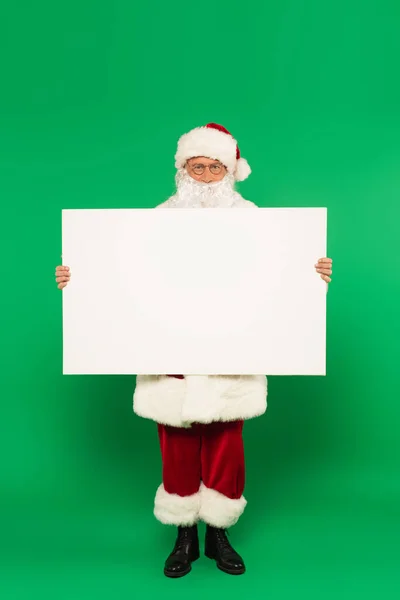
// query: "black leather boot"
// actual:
[[218, 548], [186, 551]]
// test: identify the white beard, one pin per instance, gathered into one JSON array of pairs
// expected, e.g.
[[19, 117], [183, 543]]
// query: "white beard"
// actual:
[[197, 194]]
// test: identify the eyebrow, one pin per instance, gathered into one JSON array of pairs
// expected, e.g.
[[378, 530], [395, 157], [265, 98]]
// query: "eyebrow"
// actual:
[[198, 162]]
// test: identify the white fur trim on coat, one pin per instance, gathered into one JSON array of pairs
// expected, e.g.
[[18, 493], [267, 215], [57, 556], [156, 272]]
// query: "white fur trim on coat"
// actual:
[[218, 510], [160, 398], [171, 509], [211, 143], [199, 399]]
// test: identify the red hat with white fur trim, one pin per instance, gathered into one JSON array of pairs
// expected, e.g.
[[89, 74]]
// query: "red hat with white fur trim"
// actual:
[[212, 141]]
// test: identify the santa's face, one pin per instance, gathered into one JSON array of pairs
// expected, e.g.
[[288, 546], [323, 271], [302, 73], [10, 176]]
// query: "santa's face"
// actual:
[[212, 191], [205, 169]]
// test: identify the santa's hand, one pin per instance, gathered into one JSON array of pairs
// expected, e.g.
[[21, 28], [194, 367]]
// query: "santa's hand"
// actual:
[[324, 268], [63, 275]]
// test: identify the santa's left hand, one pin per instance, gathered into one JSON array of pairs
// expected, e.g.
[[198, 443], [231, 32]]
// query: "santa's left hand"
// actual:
[[324, 268]]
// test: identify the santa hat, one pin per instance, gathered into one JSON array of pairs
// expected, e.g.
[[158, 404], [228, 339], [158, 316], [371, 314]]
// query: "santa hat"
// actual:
[[212, 141]]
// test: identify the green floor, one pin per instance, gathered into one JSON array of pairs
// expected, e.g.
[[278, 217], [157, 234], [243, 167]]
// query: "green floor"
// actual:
[[321, 534]]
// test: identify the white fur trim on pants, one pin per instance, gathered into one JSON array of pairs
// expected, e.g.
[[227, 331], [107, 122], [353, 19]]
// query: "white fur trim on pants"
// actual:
[[219, 511], [207, 505], [172, 509]]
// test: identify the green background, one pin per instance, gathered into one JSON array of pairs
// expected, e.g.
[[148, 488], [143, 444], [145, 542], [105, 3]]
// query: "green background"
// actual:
[[94, 96]]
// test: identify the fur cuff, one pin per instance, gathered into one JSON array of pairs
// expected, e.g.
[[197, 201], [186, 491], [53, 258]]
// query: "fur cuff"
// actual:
[[208, 142], [172, 509], [218, 510]]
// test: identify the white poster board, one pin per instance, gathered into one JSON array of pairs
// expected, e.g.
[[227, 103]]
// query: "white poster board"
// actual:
[[194, 291]]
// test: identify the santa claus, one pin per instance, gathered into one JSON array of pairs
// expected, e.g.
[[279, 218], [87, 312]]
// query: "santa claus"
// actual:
[[200, 418]]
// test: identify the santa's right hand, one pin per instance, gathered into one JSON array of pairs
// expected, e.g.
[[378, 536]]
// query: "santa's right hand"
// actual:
[[63, 275]]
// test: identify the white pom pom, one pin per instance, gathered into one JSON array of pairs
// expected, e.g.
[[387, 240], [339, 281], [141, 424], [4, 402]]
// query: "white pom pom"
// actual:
[[242, 170]]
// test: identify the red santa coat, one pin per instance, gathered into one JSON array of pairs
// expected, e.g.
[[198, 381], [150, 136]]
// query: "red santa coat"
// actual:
[[181, 400]]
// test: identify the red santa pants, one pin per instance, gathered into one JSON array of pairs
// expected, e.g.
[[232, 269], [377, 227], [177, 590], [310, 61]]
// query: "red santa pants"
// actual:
[[203, 474]]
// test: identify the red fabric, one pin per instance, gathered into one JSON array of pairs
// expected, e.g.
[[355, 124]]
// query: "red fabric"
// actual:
[[211, 453], [222, 128]]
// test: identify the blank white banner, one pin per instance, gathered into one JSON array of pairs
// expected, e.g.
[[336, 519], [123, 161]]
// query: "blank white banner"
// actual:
[[194, 291]]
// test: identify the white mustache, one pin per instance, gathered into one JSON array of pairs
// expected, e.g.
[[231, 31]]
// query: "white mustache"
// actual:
[[192, 193]]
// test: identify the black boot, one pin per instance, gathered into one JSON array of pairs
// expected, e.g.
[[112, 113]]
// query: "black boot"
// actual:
[[186, 551], [218, 548]]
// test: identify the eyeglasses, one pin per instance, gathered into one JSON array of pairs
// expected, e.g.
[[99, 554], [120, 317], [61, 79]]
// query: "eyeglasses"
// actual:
[[198, 169]]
